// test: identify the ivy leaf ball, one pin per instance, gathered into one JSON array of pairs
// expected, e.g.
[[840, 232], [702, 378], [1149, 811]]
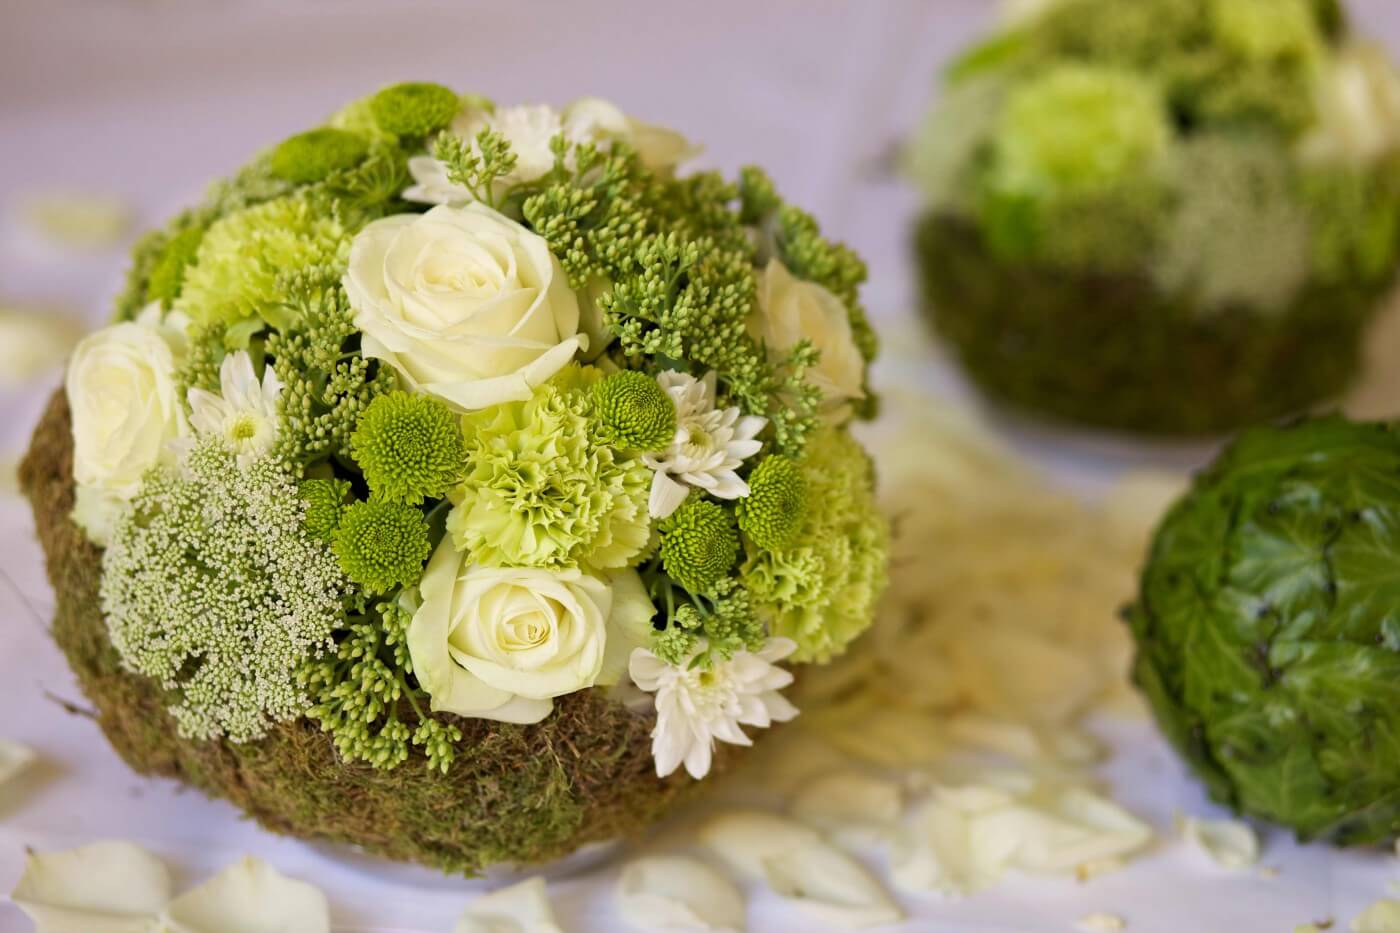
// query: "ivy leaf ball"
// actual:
[[457, 477], [1267, 637]]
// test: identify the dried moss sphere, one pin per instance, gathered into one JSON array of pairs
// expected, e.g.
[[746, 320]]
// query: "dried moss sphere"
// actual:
[[1266, 628]]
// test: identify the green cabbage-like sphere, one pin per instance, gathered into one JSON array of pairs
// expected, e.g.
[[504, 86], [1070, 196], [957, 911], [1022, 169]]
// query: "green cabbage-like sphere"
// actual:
[[1268, 628]]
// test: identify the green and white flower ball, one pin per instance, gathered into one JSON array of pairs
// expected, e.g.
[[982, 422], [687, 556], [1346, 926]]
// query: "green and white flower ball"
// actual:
[[457, 475], [1166, 216]]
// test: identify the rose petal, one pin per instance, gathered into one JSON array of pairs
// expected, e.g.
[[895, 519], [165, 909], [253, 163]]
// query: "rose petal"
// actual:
[[1102, 923], [1229, 843], [249, 896], [800, 866], [1381, 917], [854, 808], [106, 887], [679, 893], [520, 908]]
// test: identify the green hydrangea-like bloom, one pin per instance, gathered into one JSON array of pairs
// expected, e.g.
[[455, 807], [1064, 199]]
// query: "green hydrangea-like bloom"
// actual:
[[1080, 129], [212, 587], [1267, 637], [699, 544], [409, 448], [1269, 31], [821, 589], [234, 278], [545, 489], [168, 273], [414, 108], [325, 504], [382, 545], [773, 512], [311, 156], [635, 411]]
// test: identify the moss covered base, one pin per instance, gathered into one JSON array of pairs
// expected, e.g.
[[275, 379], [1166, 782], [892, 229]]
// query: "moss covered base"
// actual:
[[516, 794], [1112, 351]]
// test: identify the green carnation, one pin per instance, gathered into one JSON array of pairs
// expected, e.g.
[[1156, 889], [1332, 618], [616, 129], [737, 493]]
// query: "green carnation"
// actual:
[[325, 504], [409, 448], [773, 512], [382, 545], [698, 544], [414, 108], [1080, 130], [821, 589], [635, 411], [234, 278], [544, 488], [311, 156]]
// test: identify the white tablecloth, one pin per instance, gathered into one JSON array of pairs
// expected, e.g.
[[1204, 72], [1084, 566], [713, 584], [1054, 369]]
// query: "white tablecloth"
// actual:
[[150, 100]]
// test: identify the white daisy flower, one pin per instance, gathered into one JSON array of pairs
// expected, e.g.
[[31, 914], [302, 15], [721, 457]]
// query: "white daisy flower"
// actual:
[[245, 413], [708, 447], [695, 707]]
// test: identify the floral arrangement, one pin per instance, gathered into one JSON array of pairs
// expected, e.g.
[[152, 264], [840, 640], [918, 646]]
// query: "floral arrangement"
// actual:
[[1168, 215], [445, 413]]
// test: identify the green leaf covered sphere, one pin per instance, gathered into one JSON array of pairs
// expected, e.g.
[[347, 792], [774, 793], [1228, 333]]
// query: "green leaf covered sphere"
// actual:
[[1268, 628]]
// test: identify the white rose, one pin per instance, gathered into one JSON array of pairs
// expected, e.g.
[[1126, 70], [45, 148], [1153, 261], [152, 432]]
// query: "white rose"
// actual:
[[530, 129], [126, 409], [501, 642], [790, 310], [1358, 108], [464, 303]]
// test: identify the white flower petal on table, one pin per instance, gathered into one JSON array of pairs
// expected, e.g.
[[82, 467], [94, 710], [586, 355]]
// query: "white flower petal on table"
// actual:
[[937, 851], [249, 896], [520, 908], [1102, 923], [1229, 843], [853, 807], [14, 758], [106, 887], [800, 866], [1057, 831], [1381, 917], [672, 892]]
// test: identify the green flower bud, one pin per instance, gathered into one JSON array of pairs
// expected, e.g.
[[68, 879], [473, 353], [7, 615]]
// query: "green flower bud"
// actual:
[[414, 108], [382, 545], [698, 544], [636, 412], [776, 506], [311, 156], [325, 504], [409, 447]]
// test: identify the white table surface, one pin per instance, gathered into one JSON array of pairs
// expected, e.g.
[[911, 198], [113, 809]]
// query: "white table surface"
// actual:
[[150, 100]]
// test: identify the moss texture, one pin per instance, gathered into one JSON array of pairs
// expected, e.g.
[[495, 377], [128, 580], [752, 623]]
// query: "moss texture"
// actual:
[[516, 794], [1113, 351]]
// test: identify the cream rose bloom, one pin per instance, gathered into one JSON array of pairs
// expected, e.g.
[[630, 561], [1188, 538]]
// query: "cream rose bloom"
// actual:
[[1358, 106], [126, 411], [790, 310], [466, 304], [501, 642]]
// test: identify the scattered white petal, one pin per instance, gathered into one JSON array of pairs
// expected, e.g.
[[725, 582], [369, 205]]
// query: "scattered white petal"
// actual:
[[799, 865], [1230, 843], [1381, 917], [106, 887], [249, 896], [852, 807], [34, 341], [520, 908], [14, 758], [679, 893], [1102, 923], [78, 220], [936, 852]]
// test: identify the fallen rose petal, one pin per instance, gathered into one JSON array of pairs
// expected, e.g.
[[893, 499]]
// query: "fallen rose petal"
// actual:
[[520, 908], [935, 852], [249, 896], [678, 893], [1230, 843], [106, 887], [1102, 923], [14, 758], [854, 808]]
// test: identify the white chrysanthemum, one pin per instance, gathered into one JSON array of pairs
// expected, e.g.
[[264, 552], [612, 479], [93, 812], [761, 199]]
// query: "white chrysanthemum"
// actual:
[[695, 707], [709, 445], [245, 413]]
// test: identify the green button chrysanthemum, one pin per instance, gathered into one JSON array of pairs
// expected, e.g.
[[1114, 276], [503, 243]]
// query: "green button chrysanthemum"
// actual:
[[409, 448], [635, 411], [698, 544], [414, 108], [776, 505], [382, 545], [311, 156], [325, 504]]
